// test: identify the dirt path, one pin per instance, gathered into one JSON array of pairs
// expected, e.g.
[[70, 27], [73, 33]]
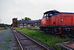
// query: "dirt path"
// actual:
[[7, 40]]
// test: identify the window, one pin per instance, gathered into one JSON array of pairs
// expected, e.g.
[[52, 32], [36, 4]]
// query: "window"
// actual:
[[45, 15], [50, 14]]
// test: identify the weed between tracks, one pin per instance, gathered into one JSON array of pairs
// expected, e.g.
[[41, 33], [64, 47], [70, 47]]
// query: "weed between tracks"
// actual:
[[50, 40]]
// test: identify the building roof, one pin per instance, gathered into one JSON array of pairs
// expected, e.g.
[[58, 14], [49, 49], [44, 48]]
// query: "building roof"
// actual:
[[28, 21]]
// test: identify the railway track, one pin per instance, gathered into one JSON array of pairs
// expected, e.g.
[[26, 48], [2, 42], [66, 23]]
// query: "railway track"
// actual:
[[26, 43]]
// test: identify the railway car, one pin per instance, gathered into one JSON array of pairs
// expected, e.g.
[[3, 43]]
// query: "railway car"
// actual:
[[55, 22]]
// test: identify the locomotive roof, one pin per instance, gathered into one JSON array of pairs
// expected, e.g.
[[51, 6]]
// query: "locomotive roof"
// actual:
[[67, 13], [52, 11]]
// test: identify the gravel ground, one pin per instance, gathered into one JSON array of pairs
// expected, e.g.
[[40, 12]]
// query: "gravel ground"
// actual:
[[7, 40]]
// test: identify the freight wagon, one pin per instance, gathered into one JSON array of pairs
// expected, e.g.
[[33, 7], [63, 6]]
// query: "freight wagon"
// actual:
[[55, 22]]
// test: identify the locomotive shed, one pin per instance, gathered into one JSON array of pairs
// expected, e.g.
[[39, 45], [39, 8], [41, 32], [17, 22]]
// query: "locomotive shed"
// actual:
[[26, 43]]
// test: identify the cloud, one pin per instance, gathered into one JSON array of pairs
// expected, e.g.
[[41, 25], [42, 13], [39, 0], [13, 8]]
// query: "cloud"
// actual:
[[31, 8]]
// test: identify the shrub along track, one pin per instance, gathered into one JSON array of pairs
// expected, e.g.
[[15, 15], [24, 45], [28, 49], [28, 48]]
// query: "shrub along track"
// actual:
[[26, 43]]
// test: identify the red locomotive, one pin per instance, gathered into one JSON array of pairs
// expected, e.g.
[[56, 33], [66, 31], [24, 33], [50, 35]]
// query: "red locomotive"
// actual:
[[56, 22]]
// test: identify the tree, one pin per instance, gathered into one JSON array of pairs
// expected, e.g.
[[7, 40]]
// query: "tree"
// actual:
[[26, 18]]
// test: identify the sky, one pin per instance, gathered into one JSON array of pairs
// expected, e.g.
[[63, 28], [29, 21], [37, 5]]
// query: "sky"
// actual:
[[33, 9]]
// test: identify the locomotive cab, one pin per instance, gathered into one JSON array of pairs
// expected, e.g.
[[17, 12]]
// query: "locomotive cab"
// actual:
[[46, 20]]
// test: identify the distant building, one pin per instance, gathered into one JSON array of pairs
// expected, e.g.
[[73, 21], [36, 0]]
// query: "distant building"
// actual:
[[25, 23], [14, 22]]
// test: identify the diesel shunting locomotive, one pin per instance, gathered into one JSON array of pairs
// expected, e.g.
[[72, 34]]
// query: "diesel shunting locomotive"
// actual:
[[55, 22]]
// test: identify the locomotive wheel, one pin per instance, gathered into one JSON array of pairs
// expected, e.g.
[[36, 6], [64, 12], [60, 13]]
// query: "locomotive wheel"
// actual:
[[71, 34], [46, 30], [41, 28]]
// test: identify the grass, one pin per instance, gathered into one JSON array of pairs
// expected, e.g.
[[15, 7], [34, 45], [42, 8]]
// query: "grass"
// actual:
[[50, 40]]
